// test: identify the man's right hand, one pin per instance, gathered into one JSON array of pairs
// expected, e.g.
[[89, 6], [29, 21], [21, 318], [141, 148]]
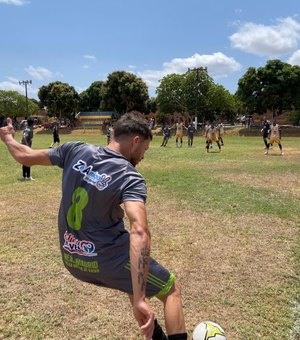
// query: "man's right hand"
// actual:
[[145, 318], [7, 132]]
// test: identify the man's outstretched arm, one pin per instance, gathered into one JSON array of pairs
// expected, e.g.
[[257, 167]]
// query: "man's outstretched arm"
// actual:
[[22, 153]]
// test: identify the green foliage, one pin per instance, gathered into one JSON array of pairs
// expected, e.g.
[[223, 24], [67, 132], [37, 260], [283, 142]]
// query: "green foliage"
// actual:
[[170, 94], [222, 103], [13, 104], [124, 92], [151, 105], [91, 98], [274, 87], [196, 85], [195, 94], [61, 99]]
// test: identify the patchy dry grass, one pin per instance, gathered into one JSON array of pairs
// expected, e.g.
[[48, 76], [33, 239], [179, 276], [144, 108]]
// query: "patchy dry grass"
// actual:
[[287, 184], [226, 265], [236, 266]]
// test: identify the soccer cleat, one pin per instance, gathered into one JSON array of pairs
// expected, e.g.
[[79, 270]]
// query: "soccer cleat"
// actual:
[[30, 179], [266, 153], [281, 153]]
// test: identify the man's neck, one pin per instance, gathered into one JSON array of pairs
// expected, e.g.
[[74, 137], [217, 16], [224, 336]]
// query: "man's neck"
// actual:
[[118, 148]]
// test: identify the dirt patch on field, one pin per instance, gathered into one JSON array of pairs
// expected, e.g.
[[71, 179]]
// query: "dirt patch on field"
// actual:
[[287, 184]]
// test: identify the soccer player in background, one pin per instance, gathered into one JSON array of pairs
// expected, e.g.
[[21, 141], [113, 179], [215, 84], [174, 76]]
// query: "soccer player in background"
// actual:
[[179, 132], [166, 135], [265, 131], [212, 135], [190, 134], [220, 130], [274, 137], [55, 131]]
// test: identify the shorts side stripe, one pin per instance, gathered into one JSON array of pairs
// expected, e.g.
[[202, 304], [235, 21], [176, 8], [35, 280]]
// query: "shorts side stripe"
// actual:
[[151, 278]]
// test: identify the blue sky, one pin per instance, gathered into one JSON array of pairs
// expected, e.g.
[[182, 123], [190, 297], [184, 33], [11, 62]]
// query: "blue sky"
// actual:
[[81, 41]]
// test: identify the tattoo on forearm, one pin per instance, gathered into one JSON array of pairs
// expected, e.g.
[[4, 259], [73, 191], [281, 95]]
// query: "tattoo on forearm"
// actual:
[[142, 264], [143, 260], [141, 281]]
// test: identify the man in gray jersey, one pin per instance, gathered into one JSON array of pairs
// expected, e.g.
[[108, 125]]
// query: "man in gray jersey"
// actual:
[[95, 246]]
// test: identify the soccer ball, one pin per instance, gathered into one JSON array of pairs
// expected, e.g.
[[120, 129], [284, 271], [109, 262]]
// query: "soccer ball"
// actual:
[[208, 330]]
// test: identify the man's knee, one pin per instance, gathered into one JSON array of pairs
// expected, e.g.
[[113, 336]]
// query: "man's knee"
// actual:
[[175, 293]]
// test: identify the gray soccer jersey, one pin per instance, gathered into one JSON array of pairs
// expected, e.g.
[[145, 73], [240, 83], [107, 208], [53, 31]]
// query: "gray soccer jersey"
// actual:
[[94, 242]]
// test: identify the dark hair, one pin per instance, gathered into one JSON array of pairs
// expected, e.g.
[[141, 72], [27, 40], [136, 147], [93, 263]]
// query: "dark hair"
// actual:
[[30, 121], [132, 123]]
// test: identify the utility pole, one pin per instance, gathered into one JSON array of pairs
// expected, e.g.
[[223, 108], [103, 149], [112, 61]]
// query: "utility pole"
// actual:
[[25, 83]]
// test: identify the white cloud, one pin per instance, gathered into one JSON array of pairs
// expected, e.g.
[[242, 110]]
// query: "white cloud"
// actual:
[[218, 65], [86, 66], [89, 56], [265, 40], [14, 2], [10, 86], [14, 85], [295, 58], [38, 73], [132, 67], [13, 80]]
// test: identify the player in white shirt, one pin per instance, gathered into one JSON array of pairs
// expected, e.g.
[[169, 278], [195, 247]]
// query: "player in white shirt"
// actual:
[[274, 137]]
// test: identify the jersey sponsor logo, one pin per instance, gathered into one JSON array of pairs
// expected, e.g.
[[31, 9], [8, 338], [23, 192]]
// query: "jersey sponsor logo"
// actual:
[[75, 246], [100, 181]]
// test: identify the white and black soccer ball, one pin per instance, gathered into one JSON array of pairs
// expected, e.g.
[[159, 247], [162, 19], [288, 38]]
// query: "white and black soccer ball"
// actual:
[[208, 330]]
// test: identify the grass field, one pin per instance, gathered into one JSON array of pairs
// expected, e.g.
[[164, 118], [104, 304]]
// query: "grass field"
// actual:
[[227, 225]]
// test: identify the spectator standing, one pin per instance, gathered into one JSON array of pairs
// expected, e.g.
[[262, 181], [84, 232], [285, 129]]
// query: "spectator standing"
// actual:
[[27, 140], [55, 131]]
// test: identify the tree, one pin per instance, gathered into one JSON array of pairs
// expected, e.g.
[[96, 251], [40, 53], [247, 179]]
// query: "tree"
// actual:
[[13, 104], [197, 84], [249, 91], [124, 92], [274, 87], [60, 99], [91, 98], [151, 105], [222, 104], [186, 93], [170, 94]]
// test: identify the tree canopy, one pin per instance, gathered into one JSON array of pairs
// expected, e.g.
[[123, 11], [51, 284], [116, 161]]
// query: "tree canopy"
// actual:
[[13, 104], [60, 99], [91, 98], [194, 94], [274, 87], [123, 92]]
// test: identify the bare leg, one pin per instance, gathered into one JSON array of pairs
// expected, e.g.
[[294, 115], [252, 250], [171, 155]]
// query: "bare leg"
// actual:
[[173, 311], [174, 318]]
